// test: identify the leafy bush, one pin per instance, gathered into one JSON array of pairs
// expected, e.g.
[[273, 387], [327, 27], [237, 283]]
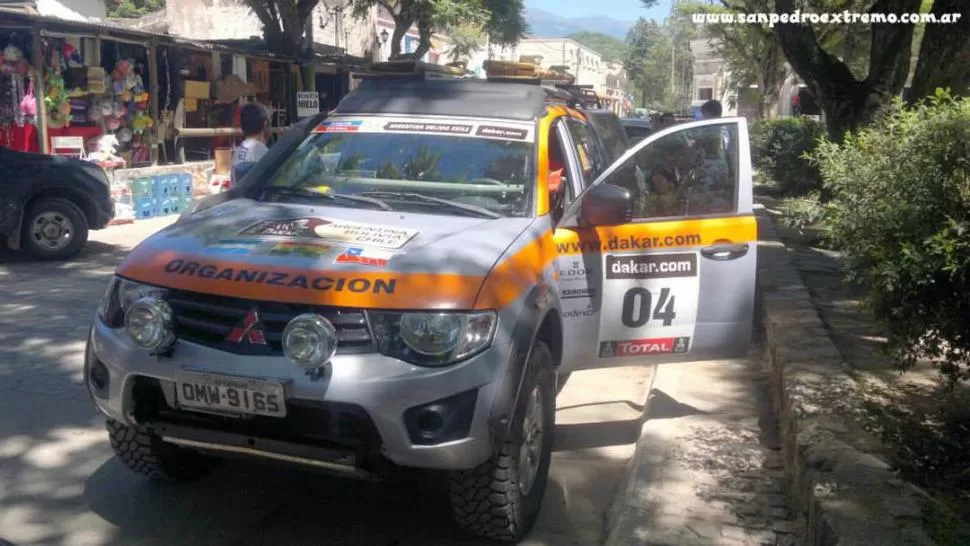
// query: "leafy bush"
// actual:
[[778, 148], [901, 212], [803, 214]]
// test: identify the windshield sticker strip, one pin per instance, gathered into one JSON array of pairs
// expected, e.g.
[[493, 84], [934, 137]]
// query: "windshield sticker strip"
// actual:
[[420, 127], [336, 231], [491, 129]]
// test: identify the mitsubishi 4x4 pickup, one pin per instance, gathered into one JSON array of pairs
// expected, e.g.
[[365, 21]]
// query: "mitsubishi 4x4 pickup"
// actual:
[[405, 288]]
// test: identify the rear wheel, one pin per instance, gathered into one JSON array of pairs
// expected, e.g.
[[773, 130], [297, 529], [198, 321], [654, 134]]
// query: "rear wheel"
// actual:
[[146, 454], [54, 229], [500, 499]]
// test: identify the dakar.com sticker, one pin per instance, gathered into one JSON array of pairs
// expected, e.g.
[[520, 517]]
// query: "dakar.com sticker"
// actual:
[[644, 347], [364, 256]]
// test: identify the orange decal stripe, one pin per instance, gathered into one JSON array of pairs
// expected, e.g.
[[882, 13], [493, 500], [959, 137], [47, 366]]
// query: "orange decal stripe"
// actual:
[[656, 235], [367, 289], [518, 273]]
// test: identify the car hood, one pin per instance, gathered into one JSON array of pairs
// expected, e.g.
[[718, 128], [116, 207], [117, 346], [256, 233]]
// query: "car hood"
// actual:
[[326, 255]]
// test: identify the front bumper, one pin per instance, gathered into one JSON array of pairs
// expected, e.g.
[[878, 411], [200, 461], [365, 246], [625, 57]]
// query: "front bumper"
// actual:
[[370, 390]]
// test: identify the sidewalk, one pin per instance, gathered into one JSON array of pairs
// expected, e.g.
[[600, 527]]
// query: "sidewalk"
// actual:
[[706, 470]]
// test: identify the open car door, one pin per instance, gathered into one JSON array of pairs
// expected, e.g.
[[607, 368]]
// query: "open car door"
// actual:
[[675, 282]]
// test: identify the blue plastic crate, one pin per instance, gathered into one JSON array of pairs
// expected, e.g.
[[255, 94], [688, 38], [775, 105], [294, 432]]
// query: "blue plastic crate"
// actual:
[[184, 184], [145, 208], [164, 205]]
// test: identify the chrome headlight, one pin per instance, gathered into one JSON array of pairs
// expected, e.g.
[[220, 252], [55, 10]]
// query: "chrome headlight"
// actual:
[[121, 294], [310, 341], [432, 339], [151, 324]]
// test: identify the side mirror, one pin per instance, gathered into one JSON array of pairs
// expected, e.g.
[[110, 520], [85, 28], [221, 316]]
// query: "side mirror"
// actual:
[[606, 205]]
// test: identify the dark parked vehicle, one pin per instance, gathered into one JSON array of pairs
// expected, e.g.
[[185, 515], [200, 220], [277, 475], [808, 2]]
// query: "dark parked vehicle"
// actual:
[[49, 203], [637, 129]]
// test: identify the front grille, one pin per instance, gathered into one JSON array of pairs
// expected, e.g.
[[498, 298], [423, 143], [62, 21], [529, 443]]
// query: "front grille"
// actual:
[[328, 425], [207, 319]]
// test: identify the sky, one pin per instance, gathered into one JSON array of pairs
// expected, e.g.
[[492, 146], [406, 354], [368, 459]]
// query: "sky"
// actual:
[[623, 10]]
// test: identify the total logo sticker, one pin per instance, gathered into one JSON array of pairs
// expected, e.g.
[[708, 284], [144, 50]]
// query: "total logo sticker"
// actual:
[[363, 256], [642, 347]]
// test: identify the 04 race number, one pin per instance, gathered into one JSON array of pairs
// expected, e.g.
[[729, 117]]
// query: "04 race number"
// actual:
[[638, 308]]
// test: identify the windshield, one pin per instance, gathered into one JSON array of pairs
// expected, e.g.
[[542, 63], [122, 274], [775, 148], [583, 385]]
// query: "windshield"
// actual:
[[428, 173]]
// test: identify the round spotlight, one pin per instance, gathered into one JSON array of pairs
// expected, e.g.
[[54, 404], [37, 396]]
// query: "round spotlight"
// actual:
[[309, 340]]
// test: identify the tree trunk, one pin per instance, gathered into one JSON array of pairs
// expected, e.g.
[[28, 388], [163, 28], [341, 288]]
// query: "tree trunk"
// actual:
[[424, 39], [944, 55], [846, 102], [402, 23]]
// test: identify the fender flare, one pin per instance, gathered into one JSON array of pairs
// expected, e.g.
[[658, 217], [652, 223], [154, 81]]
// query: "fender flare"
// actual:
[[539, 303]]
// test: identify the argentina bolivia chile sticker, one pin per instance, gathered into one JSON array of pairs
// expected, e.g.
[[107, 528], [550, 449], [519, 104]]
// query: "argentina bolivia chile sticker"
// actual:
[[650, 296]]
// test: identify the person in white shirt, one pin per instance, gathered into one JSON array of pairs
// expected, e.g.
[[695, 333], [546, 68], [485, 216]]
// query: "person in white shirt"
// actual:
[[255, 126]]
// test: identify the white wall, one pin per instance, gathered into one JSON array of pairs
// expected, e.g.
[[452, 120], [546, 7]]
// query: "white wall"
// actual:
[[215, 20], [563, 51], [338, 27], [74, 10]]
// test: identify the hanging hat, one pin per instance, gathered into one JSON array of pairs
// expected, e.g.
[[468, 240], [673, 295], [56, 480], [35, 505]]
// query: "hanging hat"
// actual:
[[124, 135]]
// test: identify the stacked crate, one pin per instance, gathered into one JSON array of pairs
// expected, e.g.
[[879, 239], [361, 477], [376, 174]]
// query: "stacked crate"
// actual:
[[162, 195]]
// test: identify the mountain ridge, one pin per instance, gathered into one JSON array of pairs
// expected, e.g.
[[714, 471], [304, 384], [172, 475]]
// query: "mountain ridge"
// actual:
[[544, 24]]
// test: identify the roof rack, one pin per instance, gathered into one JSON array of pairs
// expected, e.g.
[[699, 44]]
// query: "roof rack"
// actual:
[[560, 87], [410, 70]]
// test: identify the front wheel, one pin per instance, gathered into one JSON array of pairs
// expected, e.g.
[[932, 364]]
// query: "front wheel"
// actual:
[[160, 461], [500, 499], [54, 229]]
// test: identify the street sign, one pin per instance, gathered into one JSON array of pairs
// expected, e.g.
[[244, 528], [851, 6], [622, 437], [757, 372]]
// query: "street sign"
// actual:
[[307, 103]]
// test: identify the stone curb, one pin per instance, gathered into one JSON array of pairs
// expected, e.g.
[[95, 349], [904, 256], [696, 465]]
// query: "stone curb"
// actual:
[[839, 494]]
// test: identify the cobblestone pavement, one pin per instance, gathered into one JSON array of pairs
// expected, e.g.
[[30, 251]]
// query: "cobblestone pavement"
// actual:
[[710, 468]]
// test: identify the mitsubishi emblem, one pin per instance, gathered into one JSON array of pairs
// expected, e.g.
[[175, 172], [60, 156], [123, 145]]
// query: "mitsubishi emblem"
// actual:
[[250, 330]]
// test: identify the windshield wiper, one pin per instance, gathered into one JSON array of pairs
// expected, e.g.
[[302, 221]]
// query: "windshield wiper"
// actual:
[[333, 196], [406, 196]]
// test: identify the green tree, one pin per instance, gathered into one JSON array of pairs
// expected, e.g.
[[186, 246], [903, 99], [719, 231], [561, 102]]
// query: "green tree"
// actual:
[[609, 47], [284, 23], [129, 9], [465, 40], [659, 64], [850, 100], [501, 20]]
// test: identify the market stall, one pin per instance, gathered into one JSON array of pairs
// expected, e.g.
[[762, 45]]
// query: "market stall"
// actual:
[[98, 88], [18, 98]]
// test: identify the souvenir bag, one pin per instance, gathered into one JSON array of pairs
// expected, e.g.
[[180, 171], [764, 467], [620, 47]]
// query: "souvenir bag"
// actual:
[[28, 105]]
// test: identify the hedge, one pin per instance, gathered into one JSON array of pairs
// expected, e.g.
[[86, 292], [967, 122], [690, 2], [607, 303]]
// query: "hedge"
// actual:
[[900, 211], [778, 149]]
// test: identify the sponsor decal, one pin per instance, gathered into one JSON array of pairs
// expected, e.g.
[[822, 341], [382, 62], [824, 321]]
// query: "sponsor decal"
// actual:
[[642, 347], [306, 250], [651, 266], [419, 127], [287, 227], [575, 271], [578, 293], [341, 126], [630, 242], [493, 131], [251, 275], [373, 258], [576, 313], [232, 247], [365, 234]]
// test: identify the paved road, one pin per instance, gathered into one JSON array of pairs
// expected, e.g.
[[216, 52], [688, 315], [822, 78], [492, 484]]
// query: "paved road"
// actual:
[[60, 485]]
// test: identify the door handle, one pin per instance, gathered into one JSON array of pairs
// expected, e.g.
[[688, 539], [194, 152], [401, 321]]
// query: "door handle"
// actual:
[[724, 252]]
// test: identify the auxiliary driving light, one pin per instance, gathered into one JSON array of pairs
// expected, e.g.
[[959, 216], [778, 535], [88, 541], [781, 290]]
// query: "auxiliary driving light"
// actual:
[[310, 341], [150, 323]]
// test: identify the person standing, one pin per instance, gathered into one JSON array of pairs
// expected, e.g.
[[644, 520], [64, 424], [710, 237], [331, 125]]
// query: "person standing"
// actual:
[[711, 110], [254, 121], [796, 104]]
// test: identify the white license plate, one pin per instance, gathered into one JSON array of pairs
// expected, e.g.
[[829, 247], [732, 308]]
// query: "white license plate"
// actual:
[[230, 394]]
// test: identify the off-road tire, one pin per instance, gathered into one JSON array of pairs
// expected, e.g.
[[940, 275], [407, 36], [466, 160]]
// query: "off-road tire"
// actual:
[[61, 206], [486, 500], [146, 454]]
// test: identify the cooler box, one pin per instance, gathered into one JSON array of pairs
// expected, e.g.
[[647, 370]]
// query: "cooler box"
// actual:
[[163, 206], [142, 187]]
